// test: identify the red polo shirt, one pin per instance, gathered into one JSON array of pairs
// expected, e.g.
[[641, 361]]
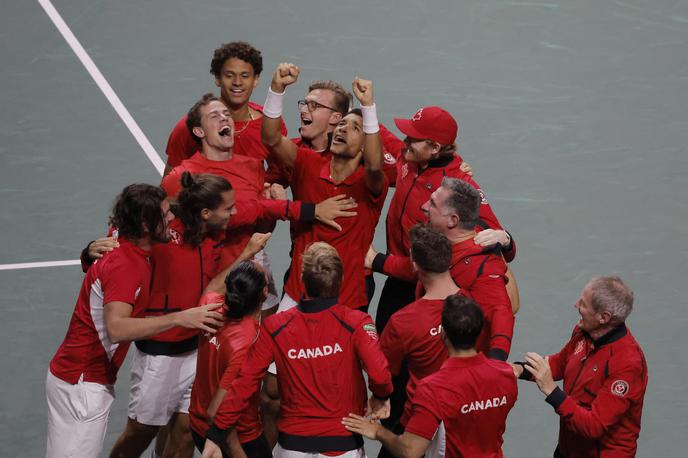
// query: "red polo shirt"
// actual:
[[466, 403], [312, 183], [480, 272], [122, 275], [413, 334]]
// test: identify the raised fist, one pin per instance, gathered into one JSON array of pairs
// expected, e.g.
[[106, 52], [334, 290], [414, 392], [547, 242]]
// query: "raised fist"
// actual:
[[363, 90], [285, 75]]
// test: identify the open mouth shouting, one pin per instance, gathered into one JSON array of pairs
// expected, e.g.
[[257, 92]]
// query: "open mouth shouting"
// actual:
[[338, 139], [225, 131]]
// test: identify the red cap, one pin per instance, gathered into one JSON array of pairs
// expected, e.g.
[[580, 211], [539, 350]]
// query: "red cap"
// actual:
[[430, 123]]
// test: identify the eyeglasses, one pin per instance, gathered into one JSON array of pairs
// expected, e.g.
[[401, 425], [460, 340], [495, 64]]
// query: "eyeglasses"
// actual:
[[312, 105]]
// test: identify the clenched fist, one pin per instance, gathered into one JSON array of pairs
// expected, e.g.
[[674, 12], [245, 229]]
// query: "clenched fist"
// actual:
[[285, 75], [363, 90]]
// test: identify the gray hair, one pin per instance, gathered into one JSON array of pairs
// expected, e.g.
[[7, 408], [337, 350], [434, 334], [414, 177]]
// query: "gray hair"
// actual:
[[611, 294], [464, 200]]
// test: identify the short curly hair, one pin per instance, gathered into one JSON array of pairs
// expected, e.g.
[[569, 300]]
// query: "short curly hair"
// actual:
[[240, 50]]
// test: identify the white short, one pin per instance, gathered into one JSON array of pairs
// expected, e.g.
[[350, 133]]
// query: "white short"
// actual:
[[77, 417], [279, 452], [272, 300], [160, 386]]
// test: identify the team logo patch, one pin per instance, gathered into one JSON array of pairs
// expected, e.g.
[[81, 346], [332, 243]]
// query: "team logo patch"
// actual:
[[389, 159], [620, 388], [483, 199], [174, 236], [137, 293], [418, 116], [369, 328], [404, 171], [579, 347]]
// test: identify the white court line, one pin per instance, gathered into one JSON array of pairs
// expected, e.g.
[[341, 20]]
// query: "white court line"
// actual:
[[103, 85], [116, 103], [34, 265]]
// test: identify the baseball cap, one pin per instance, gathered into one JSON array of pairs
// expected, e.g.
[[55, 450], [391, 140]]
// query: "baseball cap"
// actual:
[[432, 123]]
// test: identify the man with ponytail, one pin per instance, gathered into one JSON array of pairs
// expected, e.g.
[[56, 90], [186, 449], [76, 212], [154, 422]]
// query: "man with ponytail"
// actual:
[[320, 348], [221, 355], [164, 365]]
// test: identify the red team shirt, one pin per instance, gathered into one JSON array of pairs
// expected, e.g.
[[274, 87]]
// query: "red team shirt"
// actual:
[[122, 275], [320, 348], [312, 183], [466, 403], [181, 145], [413, 334], [602, 400], [220, 357], [481, 273]]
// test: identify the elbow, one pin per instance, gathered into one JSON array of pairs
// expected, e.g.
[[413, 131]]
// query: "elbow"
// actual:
[[114, 333], [269, 139]]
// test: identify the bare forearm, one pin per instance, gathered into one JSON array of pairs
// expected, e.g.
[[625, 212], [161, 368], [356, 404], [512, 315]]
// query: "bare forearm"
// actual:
[[270, 132], [398, 445], [217, 284], [127, 329]]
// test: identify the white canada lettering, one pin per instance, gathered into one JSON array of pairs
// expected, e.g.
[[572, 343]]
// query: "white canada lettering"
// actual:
[[483, 404], [436, 331], [317, 352], [213, 341]]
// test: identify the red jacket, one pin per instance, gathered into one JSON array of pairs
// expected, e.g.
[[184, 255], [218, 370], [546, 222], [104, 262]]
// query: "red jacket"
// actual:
[[246, 177], [413, 189], [320, 348], [602, 400], [180, 273], [481, 274], [220, 357]]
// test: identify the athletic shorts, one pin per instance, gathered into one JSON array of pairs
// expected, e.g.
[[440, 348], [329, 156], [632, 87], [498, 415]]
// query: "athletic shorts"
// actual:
[[272, 300], [279, 452], [77, 417], [160, 386]]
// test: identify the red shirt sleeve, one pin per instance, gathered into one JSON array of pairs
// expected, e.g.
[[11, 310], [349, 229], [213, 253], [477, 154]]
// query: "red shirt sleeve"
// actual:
[[425, 417], [172, 182], [121, 284], [399, 267], [393, 345], [232, 357], [259, 357], [489, 291], [250, 211], [181, 144], [367, 346]]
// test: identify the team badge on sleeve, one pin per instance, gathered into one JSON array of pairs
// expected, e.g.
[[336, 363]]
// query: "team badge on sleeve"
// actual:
[[483, 199], [389, 159], [620, 388], [369, 328]]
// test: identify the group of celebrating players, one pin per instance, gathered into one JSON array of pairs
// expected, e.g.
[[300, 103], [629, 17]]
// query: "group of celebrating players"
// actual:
[[221, 363]]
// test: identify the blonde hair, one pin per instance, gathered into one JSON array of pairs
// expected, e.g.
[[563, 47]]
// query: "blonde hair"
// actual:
[[342, 98], [322, 270]]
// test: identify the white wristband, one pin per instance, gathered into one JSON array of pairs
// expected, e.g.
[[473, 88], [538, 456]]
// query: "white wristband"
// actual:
[[273, 104], [370, 124]]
